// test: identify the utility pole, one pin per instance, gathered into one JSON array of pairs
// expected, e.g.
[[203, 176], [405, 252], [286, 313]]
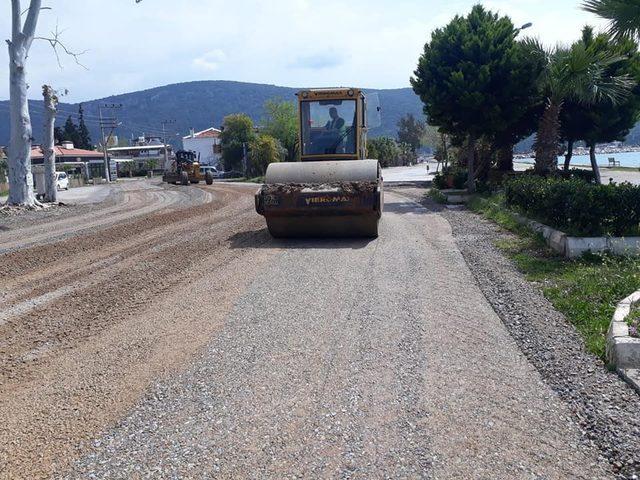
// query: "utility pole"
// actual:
[[164, 141], [110, 123]]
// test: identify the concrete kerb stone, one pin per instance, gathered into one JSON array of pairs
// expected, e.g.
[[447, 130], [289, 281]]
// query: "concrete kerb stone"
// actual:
[[456, 196], [623, 350], [573, 247]]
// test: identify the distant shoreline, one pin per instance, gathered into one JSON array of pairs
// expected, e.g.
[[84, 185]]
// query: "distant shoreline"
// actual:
[[585, 151]]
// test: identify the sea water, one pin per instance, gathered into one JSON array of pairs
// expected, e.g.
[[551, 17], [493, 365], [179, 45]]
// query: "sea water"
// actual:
[[627, 159]]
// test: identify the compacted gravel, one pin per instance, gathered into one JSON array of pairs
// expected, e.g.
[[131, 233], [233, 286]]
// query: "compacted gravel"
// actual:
[[182, 341], [90, 316], [353, 359], [606, 409]]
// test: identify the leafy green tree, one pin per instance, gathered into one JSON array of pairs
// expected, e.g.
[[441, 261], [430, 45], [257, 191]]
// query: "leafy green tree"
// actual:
[[281, 122], [411, 131], [603, 121], [151, 164], [84, 138], [475, 80], [263, 150], [440, 144], [385, 150], [407, 155], [237, 133], [623, 15], [609, 121], [580, 74]]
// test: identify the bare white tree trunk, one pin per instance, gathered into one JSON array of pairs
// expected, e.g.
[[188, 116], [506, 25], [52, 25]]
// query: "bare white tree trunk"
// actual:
[[19, 154], [50, 109]]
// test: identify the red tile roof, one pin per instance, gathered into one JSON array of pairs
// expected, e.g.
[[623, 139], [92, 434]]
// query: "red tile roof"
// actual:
[[208, 133], [36, 152]]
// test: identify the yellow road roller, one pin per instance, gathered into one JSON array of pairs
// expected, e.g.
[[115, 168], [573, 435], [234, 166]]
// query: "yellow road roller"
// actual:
[[334, 191]]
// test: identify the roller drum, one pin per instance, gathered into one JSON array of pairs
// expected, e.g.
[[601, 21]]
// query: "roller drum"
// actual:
[[322, 199]]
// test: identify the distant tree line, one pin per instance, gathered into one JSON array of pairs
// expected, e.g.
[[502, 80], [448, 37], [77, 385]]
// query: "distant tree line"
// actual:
[[77, 134]]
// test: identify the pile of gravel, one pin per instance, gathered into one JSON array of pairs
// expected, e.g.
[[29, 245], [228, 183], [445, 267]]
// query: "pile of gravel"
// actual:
[[606, 409]]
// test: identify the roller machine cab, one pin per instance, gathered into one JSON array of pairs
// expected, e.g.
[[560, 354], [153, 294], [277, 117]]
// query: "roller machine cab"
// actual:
[[334, 191]]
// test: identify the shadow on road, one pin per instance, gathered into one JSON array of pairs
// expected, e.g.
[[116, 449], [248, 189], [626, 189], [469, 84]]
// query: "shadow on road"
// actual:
[[424, 207], [262, 239]]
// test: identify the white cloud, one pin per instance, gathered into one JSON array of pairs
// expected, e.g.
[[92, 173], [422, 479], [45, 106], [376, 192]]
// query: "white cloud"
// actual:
[[300, 43], [210, 60]]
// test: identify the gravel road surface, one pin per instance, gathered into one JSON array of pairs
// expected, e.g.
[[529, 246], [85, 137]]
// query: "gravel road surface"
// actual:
[[125, 200], [319, 359], [88, 321]]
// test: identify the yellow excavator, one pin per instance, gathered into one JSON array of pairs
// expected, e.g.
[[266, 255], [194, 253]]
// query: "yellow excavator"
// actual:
[[334, 191]]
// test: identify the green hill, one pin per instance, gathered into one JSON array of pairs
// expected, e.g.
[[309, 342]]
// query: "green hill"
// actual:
[[199, 105], [203, 104]]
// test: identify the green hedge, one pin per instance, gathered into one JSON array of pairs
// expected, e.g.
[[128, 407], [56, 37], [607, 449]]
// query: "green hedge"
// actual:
[[451, 177], [577, 207]]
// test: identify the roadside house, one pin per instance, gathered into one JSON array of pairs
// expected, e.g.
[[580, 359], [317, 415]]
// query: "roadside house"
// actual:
[[146, 155], [88, 163], [206, 144]]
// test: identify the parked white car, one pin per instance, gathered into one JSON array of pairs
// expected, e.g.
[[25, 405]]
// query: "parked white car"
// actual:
[[208, 168], [62, 181]]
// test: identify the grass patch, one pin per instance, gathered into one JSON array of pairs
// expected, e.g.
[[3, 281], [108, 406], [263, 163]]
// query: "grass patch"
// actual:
[[493, 207], [585, 290], [437, 196], [634, 321]]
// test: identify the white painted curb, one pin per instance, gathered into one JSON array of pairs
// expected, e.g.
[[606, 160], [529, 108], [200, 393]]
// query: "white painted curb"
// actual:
[[572, 247], [623, 350]]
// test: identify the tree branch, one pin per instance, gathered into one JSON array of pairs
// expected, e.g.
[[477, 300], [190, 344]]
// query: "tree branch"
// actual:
[[41, 8], [30, 23], [56, 43], [16, 24]]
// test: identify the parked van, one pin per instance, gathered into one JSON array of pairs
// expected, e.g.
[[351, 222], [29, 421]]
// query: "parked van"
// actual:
[[208, 168]]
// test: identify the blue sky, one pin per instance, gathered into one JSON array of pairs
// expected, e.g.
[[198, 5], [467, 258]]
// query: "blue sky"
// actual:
[[373, 43]]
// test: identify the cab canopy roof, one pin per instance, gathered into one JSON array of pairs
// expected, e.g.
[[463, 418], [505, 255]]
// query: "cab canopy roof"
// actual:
[[325, 93]]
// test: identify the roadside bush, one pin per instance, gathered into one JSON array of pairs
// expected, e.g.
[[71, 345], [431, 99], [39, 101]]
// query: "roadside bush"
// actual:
[[263, 150], [580, 174], [575, 206], [450, 177]]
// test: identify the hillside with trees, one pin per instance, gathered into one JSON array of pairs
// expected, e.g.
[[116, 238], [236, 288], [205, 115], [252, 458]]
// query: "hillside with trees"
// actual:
[[200, 105]]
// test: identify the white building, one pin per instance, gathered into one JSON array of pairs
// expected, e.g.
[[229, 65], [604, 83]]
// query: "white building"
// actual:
[[206, 144]]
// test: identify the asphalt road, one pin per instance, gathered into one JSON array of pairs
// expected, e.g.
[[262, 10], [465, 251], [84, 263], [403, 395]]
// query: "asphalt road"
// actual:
[[415, 173], [247, 357]]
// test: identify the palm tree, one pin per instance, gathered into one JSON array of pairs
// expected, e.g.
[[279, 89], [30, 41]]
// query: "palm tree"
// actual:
[[623, 15], [579, 74]]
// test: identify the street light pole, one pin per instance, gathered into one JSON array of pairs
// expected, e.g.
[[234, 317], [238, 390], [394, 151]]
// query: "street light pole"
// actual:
[[523, 27]]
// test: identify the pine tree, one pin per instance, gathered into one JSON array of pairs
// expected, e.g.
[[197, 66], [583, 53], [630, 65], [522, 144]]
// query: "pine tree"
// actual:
[[58, 135], [84, 138], [476, 81], [70, 131]]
